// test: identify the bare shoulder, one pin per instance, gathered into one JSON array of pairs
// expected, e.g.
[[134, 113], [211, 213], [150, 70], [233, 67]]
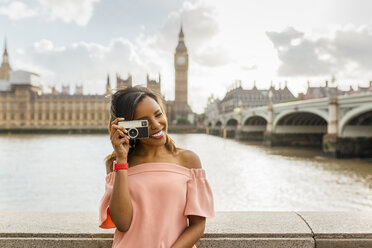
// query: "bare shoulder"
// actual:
[[190, 159]]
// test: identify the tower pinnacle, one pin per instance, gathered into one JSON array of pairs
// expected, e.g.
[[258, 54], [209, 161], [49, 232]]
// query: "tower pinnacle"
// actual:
[[181, 47], [5, 67], [181, 35]]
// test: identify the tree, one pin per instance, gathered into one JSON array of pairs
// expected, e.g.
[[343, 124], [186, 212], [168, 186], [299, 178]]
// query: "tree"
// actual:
[[183, 121]]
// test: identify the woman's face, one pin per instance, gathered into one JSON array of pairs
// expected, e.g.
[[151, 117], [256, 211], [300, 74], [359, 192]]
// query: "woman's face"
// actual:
[[148, 109]]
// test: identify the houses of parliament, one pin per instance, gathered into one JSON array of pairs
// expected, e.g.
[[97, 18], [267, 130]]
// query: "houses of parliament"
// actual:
[[23, 105]]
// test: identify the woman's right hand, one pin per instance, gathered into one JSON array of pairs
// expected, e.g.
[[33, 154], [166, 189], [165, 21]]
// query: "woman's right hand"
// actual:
[[119, 140]]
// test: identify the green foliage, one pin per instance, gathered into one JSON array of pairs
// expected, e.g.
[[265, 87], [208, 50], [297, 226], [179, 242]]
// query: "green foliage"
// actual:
[[183, 121]]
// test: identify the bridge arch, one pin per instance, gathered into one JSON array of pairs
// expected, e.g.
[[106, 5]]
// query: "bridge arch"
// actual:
[[316, 112], [232, 122], [350, 115], [255, 115], [255, 120]]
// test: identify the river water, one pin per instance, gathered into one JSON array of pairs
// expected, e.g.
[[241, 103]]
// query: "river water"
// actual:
[[67, 173]]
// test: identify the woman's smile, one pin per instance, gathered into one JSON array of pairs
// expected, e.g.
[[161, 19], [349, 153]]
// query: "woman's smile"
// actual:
[[158, 135]]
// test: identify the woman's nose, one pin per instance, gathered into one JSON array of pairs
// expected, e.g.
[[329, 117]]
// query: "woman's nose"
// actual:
[[155, 124]]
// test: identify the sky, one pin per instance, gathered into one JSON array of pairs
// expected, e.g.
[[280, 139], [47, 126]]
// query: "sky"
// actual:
[[264, 41]]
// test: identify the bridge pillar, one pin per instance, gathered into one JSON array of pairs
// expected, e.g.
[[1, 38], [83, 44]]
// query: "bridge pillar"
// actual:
[[268, 134], [330, 139], [238, 132]]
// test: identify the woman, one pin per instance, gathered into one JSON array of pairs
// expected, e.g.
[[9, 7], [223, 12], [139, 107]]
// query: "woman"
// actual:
[[150, 202]]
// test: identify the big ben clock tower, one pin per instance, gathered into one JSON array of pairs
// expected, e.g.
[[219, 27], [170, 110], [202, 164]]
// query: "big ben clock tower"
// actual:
[[179, 111], [181, 63]]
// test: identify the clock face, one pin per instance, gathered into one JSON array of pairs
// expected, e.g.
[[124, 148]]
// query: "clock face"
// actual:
[[181, 60]]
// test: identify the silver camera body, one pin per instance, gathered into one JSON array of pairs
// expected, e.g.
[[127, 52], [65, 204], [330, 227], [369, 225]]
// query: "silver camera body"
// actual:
[[137, 129]]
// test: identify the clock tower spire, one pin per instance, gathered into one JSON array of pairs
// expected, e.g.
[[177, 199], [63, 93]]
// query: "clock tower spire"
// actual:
[[5, 66], [181, 63]]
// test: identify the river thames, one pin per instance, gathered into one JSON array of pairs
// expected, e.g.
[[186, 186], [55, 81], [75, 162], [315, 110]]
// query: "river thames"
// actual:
[[67, 173]]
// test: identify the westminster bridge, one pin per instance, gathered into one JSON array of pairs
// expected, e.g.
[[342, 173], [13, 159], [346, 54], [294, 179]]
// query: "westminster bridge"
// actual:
[[341, 125]]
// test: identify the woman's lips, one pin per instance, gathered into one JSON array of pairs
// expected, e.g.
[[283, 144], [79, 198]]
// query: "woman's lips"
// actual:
[[159, 136]]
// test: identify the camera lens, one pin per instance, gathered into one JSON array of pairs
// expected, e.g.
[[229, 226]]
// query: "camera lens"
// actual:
[[133, 132]]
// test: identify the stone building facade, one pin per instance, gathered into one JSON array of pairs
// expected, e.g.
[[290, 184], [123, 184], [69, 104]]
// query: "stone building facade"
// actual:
[[313, 92], [23, 106], [179, 111], [250, 98]]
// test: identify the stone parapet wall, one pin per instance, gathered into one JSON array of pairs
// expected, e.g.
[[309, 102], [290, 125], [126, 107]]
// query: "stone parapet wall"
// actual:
[[227, 229]]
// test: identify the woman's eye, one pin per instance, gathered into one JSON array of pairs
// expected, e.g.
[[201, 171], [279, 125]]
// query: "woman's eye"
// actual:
[[159, 115]]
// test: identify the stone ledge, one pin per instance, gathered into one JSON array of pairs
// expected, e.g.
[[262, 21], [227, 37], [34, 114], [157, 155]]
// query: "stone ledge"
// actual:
[[227, 229]]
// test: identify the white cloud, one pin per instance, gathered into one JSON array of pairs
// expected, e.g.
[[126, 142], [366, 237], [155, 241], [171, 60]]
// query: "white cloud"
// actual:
[[17, 10], [79, 12], [68, 11], [80, 62], [346, 51], [206, 52], [200, 27]]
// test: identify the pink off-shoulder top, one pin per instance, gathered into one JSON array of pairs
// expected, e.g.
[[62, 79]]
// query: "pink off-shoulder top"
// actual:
[[163, 195]]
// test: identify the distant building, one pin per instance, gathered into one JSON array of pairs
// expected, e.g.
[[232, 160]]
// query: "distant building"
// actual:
[[325, 91], [5, 68], [154, 85], [213, 108], [23, 105], [179, 110], [123, 83], [250, 98]]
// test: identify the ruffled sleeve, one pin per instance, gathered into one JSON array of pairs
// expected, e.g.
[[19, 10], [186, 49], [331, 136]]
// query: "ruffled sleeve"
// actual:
[[199, 195], [104, 212]]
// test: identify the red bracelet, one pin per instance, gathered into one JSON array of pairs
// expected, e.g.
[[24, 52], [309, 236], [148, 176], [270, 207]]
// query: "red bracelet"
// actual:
[[120, 166]]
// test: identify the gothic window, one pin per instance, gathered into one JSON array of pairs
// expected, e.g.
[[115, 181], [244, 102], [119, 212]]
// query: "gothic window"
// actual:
[[55, 116], [47, 116], [39, 116]]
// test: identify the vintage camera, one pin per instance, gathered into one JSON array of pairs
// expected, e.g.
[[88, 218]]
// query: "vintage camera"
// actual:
[[137, 129]]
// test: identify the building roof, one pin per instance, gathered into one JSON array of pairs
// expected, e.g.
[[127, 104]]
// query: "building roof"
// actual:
[[24, 77], [5, 85], [181, 47], [20, 77]]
